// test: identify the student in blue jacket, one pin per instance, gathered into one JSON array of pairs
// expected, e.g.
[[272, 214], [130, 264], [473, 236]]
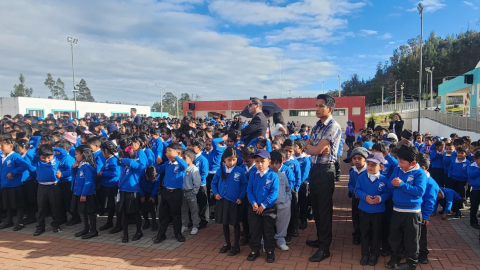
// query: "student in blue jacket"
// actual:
[[450, 202], [289, 148], [108, 190], [29, 185], [229, 186], [408, 183], [150, 183], [458, 171], [262, 192], [172, 193], [428, 207], [147, 148], [303, 192], [94, 143], [12, 169], [157, 144], [84, 200], [214, 158], [474, 179], [371, 189], [201, 162], [447, 160], [436, 157], [140, 157], [249, 168]]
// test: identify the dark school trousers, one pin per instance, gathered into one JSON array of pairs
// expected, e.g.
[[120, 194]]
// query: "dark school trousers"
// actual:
[[356, 218], [322, 186], [474, 202], [459, 187], [456, 205], [386, 218], [304, 200], [423, 240], [48, 197], [170, 205], [66, 200], [371, 232], [293, 224], [405, 228], [203, 206], [211, 199], [262, 225], [438, 175]]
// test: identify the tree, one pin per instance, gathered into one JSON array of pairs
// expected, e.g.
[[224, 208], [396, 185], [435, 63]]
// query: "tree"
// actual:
[[21, 90], [56, 88], [84, 92]]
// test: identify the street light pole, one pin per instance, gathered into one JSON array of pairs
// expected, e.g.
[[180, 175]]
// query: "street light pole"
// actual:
[[401, 100], [430, 70], [323, 87], [161, 98], [281, 75], [73, 42], [339, 90], [382, 98], [420, 9], [396, 95]]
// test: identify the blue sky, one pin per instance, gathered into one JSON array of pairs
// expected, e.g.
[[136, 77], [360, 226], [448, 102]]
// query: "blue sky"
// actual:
[[218, 49]]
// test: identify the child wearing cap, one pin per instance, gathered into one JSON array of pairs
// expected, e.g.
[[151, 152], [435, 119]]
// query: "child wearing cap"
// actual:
[[262, 194], [371, 189], [357, 157], [304, 134]]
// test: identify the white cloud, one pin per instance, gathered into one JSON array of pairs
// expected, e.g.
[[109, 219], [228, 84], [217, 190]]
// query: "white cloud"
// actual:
[[365, 32], [470, 4], [430, 5], [386, 36], [125, 48], [362, 56]]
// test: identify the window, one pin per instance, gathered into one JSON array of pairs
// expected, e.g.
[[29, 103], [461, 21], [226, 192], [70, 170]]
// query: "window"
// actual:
[[59, 114], [189, 113], [235, 113], [120, 114], [302, 113], [95, 114], [36, 113], [339, 112], [356, 111]]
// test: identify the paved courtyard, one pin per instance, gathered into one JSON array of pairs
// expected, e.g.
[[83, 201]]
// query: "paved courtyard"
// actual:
[[453, 245]]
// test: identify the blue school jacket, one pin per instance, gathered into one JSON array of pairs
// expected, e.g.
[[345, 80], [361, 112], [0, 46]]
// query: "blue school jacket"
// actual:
[[408, 196], [83, 183], [365, 187], [111, 172], [263, 189], [367, 145], [359, 138], [174, 173], [426, 148], [215, 156], [15, 165], [305, 166], [289, 174], [130, 180], [46, 172], [141, 158], [149, 186], [293, 137], [151, 160], [352, 180], [252, 170], [449, 196], [233, 188], [72, 151], [474, 176], [255, 141], [389, 166], [447, 160], [157, 148], [28, 174], [436, 159], [305, 137], [65, 167], [201, 162], [458, 170], [429, 198], [419, 146], [470, 157], [295, 167], [99, 160]]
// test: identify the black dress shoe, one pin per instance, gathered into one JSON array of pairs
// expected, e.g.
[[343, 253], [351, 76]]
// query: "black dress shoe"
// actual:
[[90, 235], [373, 260], [319, 256], [295, 233], [56, 229], [146, 225], [225, 248], [39, 231], [253, 256], [391, 264], [313, 243], [423, 259], [5, 225], [106, 226], [154, 226], [356, 241], [405, 266], [18, 227], [73, 221], [288, 239], [243, 241], [158, 239], [115, 230], [137, 236], [180, 237], [303, 225], [364, 260], [386, 253], [29, 221], [270, 257], [82, 233], [125, 238], [234, 251]]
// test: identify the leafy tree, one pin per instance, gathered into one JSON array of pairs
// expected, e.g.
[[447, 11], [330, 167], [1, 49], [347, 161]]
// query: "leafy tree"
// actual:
[[84, 92], [56, 88], [20, 90]]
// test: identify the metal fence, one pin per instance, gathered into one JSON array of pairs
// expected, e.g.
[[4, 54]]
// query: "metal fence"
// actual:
[[399, 107], [465, 122]]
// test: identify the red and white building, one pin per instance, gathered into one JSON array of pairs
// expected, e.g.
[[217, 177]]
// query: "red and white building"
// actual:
[[294, 109]]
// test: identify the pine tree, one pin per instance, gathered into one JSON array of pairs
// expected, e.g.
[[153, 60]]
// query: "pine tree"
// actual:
[[56, 88], [21, 90], [84, 92]]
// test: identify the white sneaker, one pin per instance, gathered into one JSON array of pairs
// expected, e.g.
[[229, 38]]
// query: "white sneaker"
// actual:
[[284, 247], [194, 230], [184, 229]]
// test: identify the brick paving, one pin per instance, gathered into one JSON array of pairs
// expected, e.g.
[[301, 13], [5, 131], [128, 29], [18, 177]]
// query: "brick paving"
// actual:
[[20, 250]]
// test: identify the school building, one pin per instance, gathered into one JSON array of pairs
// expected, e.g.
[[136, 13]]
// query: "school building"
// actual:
[[294, 109], [41, 107]]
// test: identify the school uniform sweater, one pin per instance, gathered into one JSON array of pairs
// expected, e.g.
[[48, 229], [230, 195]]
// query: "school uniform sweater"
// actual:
[[174, 172], [255, 141], [141, 158], [408, 196], [429, 199], [474, 176], [305, 166], [389, 166], [366, 187], [367, 145], [201, 162], [293, 137], [130, 180], [65, 167], [289, 174], [426, 149], [458, 170], [46, 172], [352, 180], [293, 164], [28, 174], [150, 186], [447, 160], [150, 156], [99, 160], [436, 159], [305, 137], [234, 187], [449, 195], [470, 157], [249, 171], [215, 156], [419, 146], [83, 183], [263, 188], [111, 172], [157, 148], [15, 165]]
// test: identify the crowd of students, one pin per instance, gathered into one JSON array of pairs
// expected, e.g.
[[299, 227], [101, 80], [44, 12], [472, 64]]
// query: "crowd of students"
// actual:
[[397, 185], [74, 169]]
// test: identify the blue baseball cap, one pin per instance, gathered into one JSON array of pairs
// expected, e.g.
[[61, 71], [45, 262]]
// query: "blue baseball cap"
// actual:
[[262, 153]]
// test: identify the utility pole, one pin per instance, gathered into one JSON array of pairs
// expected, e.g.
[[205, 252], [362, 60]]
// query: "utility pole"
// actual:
[[396, 95], [382, 98], [420, 9], [323, 88], [161, 99], [339, 89], [281, 74], [401, 98], [73, 42]]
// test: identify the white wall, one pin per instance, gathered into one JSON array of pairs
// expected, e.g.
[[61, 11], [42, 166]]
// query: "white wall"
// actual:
[[437, 129], [48, 105]]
